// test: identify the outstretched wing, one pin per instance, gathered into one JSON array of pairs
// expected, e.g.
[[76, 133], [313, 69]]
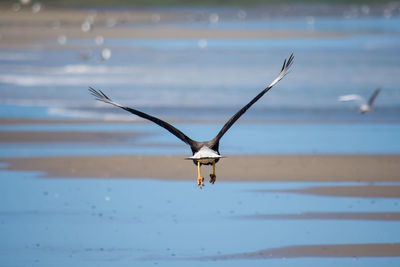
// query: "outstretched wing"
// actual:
[[373, 96], [357, 98], [99, 95], [286, 65]]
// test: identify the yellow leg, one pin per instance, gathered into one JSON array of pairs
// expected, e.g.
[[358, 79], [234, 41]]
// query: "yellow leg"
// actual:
[[200, 180], [213, 177], [214, 167]]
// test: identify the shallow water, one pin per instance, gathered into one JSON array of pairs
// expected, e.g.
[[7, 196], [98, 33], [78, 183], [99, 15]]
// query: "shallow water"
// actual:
[[145, 222], [246, 138]]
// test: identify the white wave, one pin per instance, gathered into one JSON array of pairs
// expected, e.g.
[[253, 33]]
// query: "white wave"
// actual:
[[56, 107], [77, 69], [28, 102], [72, 74], [91, 69], [84, 69], [40, 80], [71, 113], [76, 113]]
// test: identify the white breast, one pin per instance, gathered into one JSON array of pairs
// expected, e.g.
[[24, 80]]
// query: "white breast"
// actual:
[[205, 155]]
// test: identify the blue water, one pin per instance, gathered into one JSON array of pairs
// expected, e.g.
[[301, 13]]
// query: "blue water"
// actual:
[[243, 138], [98, 222]]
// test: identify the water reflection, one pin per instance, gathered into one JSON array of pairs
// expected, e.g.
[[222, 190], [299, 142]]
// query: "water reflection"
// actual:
[[111, 218]]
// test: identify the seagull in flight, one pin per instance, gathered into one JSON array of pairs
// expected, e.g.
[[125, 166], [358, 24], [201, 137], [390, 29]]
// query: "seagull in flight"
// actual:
[[364, 106], [207, 152]]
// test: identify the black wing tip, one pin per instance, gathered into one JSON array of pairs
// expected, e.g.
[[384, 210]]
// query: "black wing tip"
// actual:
[[284, 65], [104, 95], [287, 62], [376, 92], [290, 60], [373, 96], [93, 92], [98, 94]]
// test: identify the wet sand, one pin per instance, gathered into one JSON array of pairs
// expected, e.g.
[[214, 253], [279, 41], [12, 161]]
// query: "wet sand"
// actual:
[[233, 168], [370, 191], [320, 251], [67, 137]]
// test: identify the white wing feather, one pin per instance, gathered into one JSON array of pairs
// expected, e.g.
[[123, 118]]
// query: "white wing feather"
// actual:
[[357, 98]]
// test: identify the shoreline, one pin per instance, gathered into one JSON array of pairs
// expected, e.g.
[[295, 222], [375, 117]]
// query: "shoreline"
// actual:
[[356, 168]]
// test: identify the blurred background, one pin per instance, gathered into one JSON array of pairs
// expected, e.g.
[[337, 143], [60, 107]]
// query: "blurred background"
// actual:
[[199, 62], [194, 64]]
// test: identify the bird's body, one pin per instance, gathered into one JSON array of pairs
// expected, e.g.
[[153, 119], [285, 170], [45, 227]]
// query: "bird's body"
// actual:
[[363, 105], [365, 108], [204, 153], [206, 156]]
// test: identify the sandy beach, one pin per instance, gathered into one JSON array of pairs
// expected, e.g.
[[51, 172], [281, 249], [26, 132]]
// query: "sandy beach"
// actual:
[[233, 168], [66, 136]]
